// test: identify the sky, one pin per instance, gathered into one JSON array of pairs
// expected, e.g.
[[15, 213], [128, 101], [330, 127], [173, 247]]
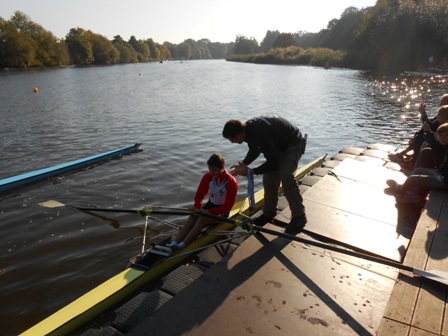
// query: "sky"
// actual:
[[177, 20]]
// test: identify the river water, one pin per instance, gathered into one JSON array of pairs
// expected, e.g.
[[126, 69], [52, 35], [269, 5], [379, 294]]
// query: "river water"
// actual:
[[51, 256]]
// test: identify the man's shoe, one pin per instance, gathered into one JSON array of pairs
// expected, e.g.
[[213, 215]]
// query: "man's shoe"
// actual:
[[296, 225], [262, 220]]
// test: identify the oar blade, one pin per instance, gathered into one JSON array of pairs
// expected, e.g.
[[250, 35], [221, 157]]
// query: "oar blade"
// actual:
[[436, 275], [52, 204]]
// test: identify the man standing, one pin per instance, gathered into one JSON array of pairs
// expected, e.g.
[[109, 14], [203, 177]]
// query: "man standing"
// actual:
[[282, 145]]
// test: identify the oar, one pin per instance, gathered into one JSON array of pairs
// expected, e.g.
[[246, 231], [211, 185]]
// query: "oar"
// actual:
[[143, 212], [439, 276], [57, 204]]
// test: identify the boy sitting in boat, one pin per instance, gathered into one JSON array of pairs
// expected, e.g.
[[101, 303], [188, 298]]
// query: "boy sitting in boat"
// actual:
[[422, 180], [222, 189]]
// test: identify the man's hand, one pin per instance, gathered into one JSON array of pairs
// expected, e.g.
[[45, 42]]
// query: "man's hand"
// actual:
[[239, 169]]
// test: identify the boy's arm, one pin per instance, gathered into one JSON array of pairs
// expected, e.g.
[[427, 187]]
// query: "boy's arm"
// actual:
[[201, 191]]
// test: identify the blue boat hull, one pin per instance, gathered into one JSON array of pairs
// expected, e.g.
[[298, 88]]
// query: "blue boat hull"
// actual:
[[41, 174]]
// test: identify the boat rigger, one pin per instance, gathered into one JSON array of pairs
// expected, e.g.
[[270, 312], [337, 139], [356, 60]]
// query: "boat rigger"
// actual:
[[41, 174]]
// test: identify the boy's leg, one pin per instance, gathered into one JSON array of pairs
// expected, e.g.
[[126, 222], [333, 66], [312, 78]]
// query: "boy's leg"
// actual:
[[425, 159], [186, 228], [422, 183], [197, 228]]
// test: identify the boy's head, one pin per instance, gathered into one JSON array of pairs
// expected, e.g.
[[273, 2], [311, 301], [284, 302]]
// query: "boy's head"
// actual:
[[444, 100], [442, 114], [442, 134], [216, 164]]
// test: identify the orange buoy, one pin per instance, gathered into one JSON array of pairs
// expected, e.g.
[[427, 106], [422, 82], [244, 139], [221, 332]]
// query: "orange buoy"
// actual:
[[35, 90]]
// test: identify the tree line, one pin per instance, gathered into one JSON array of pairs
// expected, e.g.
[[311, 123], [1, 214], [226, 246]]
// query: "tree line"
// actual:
[[392, 36], [388, 38], [24, 43]]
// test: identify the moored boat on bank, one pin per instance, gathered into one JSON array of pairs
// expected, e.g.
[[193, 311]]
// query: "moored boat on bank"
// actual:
[[41, 174]]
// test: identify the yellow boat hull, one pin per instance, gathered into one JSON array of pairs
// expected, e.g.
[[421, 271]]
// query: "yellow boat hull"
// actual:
[[128, 282]]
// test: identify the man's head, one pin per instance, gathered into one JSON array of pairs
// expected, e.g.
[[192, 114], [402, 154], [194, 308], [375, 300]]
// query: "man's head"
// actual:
[[234, 131]]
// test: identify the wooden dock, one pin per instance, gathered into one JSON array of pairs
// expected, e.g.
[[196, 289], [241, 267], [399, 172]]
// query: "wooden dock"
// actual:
[[418, 306], [271, 286]]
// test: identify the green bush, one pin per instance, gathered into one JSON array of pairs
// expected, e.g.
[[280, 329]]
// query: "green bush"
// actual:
[[295, 56]]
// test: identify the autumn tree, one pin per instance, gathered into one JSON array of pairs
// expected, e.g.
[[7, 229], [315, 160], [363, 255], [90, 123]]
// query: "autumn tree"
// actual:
[[164, 51], [268, 41], [285, 40], [25, 43], [104, 51], [204, 51], [126, 51], [142, 49], [172, 48], [220, 50], [401, 35], [244, 45], [184, 51], [195, 48], [342, 33], [16, 49], [307, 40], [79, 46], [153, 50]]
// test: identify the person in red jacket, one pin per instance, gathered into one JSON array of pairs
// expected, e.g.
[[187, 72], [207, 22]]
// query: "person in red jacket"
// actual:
[[221, 188]]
